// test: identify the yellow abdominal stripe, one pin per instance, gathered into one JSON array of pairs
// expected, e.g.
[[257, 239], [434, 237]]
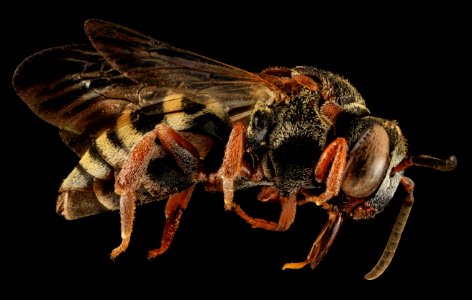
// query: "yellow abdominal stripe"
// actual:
[[125, 131], [172, 103], [107, 154], [96, 166], [113, 154]]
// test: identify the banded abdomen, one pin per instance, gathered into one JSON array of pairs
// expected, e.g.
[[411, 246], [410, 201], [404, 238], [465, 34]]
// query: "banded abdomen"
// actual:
[[103, 109], [89, 188]]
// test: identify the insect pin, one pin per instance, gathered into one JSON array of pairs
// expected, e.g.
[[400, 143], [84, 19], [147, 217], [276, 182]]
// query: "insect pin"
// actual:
[[150, 121]]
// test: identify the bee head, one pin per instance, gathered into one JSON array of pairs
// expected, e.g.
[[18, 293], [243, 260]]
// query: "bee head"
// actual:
[[376, 147]]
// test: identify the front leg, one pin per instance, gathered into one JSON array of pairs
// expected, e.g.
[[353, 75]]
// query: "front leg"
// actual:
[[330, 168]]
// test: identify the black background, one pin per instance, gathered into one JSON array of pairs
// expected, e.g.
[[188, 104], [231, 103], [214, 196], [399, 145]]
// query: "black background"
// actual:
[[411, 64]]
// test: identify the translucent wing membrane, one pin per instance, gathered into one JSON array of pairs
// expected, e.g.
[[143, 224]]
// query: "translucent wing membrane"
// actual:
[[73, 88], [150, 61], [154, 63], [83, 88]]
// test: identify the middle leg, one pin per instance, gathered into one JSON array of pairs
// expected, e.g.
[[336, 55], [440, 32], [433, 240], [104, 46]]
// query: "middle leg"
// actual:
[[287, 214], [323, 241]]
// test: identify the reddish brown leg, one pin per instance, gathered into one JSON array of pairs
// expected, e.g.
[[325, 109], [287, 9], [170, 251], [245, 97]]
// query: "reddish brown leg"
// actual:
[[234, 166], [268, 194], [232, 162], [126, 184], [287, 214], [333, 159], [127, 209], [184, 153], [134, 168], [174, 209], [254, 222], [323, 241]]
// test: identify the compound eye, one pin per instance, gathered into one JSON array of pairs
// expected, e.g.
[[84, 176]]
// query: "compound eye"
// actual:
[[367, 164]]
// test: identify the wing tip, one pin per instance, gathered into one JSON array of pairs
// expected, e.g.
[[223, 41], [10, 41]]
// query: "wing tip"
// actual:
[[93, 22], [92, 26]]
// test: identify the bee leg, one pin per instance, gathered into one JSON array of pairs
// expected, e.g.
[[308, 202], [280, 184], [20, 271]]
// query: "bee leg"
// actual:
[[188, 159], [126, 183], [333, 159], [127, 210], [288, 203], [234, 166], [174, 209], [323, 241], [184, 153], [287, 214], [232, 162]]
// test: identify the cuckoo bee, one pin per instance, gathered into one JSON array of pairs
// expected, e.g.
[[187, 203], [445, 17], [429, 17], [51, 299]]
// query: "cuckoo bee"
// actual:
[[150, 121]]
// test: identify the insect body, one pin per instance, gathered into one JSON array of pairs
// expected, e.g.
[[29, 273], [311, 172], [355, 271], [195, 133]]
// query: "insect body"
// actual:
[[150, 121]]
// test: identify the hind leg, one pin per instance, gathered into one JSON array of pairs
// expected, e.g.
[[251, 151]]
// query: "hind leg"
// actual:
[[174, 209], [135, 167]]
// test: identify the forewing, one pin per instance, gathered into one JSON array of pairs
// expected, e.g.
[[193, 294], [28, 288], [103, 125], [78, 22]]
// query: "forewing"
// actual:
[[154, 63], [82, 88], [73, 88]]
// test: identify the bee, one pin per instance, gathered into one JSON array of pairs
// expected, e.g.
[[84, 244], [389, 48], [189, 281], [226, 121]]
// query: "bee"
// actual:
[[150, 121]]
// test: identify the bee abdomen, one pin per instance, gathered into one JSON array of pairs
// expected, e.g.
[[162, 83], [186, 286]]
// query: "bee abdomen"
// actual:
[[82, 195], [125, 131], [105, 193], [111, 149], [77, 197], [88, 189], [94, 164]]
